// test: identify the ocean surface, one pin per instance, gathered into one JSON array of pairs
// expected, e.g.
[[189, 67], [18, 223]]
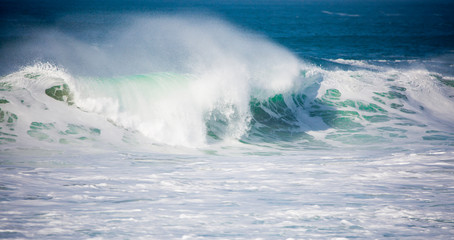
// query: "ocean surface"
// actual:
[[219, 119]]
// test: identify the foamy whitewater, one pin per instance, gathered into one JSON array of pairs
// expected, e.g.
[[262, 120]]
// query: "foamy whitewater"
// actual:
[[174, 126]]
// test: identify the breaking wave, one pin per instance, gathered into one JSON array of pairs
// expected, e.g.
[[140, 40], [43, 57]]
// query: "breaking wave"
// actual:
[[192, 82]]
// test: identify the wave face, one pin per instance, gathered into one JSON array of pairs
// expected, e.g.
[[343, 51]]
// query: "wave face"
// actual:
[[200, 82]]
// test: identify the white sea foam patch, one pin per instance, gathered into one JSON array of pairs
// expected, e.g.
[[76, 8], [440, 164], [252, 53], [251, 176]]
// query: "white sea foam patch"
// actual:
[[315, 195]]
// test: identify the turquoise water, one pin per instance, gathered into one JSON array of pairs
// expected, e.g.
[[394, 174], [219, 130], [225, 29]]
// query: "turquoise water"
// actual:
[[226, 120]]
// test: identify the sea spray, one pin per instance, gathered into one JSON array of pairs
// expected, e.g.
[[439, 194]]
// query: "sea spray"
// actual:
[[172, 79], [194, 82]]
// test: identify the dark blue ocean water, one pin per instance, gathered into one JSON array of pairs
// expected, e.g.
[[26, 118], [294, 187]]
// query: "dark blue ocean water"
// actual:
[[327, 29]]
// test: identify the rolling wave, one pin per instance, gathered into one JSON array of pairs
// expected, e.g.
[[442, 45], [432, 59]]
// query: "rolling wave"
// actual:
[[43, 103], [177, 81]]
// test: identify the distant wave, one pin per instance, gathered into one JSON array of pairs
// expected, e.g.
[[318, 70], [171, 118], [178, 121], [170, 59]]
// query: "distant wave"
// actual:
[[341, 14]]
